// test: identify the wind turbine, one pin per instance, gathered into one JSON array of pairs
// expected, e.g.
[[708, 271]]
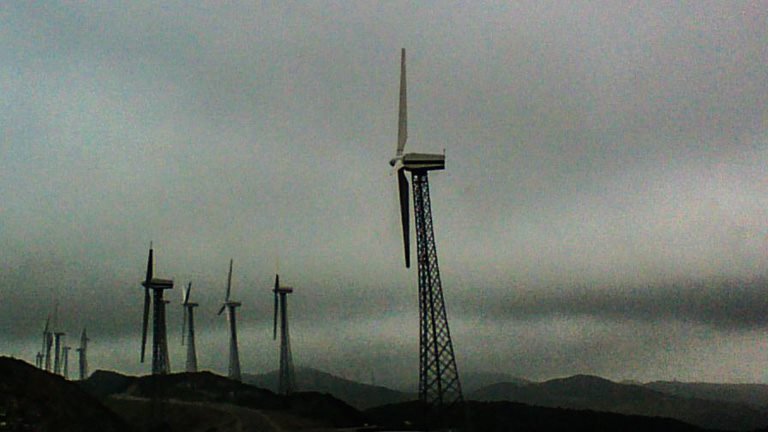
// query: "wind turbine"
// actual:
[[57, 350], [82, 352], [439, 384], [160, 361], [230, 306], [45, 361], [188, 329], [287, 383]]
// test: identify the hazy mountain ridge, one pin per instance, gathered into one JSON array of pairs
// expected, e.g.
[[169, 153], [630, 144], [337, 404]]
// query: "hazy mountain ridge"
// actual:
[[585, 392], [755, 395]]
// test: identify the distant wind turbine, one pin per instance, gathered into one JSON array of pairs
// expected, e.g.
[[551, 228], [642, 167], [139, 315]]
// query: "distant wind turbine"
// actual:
[[287, 384], [231, 308], [188, 330], [160, 360]]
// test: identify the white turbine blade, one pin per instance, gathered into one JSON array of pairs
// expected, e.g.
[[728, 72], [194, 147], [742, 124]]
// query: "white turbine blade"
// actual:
[[405, 215], [402, 129], [229, 281]]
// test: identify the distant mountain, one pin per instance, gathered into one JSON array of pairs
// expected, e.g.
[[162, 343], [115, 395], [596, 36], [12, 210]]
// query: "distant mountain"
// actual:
[[586, 392], [32, 399], [510, 416], [473, 381], [360, 396], [755, 395]]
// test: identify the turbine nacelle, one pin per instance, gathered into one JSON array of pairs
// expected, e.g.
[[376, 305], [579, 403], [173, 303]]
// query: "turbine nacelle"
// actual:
[[422, 162]]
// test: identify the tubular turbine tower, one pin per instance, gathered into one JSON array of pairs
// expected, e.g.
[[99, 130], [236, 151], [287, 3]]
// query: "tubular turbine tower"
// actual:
[[230, 307], [287, 383], [188, 330], [439, 384], [160, 361]]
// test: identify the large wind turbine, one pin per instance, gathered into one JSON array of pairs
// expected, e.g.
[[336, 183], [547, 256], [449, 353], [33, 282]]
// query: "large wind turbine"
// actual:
[[188, 330], [439, 384], [287, 383], [160, 361], [230, 306]]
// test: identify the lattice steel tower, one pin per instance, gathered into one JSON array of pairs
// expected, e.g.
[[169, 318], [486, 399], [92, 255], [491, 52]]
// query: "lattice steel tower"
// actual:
[[188, 330], [160, 360], [439, 384], [287, 378]]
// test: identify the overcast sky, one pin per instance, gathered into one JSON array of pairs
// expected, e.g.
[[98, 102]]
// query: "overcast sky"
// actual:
[[604, 207]]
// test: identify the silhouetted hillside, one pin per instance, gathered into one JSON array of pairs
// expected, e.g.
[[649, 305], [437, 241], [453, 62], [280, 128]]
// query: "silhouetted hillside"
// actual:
[[215, 402], [755, 395], [359, 395], [104, 383], [32, 399], [585, 392], [509, 416]]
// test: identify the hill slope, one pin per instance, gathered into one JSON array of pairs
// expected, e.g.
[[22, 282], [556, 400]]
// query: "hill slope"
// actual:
[[510, 416], [213, 401], [360, 396], [32, 399]]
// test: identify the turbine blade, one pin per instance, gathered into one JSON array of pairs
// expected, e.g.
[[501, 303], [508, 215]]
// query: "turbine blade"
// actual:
[[144, 323], [186, 293], [224, 306], [404, 214], [229, 280], [402, 123], [149, 266], [277, 287], [274, 326]]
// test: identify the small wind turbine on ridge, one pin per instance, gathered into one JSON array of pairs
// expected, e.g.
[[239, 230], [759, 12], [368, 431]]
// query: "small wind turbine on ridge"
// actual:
[[188, 329], [231, 307], [287, 380]]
